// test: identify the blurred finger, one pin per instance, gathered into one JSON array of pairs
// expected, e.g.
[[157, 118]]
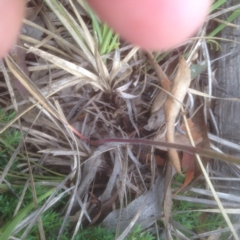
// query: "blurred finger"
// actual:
[[153, 24], [11, 14]]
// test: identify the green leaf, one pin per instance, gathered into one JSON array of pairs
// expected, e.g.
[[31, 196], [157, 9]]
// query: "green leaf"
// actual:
[[197, 69]]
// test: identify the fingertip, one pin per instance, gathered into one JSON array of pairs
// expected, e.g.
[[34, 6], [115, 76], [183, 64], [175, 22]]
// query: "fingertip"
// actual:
[[153, 24], [11, 15]]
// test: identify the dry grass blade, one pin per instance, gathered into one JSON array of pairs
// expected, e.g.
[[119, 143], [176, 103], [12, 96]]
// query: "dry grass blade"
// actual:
[[34, 195], [204, 235], [79, 221], [88, 37], [205, 201], [149, 204], [168, 198], [103, 72], [223, 11], [132, 223], [74, 29], [9, 85], [47, 46], [62, 152], [117, 169], [163, 79], [194, 150], [77, 174], [105, 90], [226, 23], [72, 68], [172, 107], [216, 197], [36, 93], [193, 91], [31, 219], [30, 86], [226, 196], [224, 142], [21, 198], [130, 54], [215, 236], [59, 39], [90, 168], [10, 162], [164, 82], [59, 85], [32, 12]]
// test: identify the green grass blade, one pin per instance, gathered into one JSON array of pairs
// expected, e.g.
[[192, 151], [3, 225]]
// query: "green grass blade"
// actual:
[[7, 230], [104, 30], [106, 41], [233, 16], [95, 23], [217, 5], [114, 43]]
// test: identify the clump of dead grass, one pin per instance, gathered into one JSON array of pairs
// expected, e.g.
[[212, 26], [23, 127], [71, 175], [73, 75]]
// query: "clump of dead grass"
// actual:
[[80, 95]]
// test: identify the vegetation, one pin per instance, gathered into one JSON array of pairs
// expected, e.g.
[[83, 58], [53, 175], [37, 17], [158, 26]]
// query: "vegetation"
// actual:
[[102, 90]]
